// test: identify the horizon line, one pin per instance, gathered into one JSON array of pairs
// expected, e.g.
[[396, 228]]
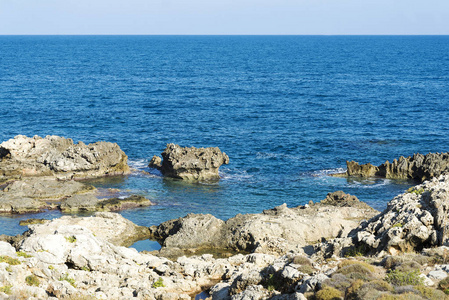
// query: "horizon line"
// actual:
[[135, 34]]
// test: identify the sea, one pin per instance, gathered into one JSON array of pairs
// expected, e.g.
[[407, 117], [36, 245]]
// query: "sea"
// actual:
[[288, 110]]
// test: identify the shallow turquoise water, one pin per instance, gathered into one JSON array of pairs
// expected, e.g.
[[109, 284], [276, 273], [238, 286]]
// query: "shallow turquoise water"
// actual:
[[286, 109]]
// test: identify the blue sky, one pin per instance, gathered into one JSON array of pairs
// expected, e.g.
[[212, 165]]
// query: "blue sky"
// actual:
[[224, 17]]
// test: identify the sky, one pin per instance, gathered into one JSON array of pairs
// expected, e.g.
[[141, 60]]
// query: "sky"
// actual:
[[297, 17]]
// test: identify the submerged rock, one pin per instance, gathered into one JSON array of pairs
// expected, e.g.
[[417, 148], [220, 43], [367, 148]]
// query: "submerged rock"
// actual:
[[417, 167], [190, 163], [91, 203], [59, 157]]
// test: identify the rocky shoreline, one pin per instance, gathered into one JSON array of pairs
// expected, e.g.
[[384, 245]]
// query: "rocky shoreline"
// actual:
[[339, 248], [286, 253]]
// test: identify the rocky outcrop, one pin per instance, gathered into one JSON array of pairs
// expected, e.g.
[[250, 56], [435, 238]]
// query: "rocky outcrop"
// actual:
[[190, 163], [417, 167], [275, 231], [59, 157], [79, 258], [416, 219]]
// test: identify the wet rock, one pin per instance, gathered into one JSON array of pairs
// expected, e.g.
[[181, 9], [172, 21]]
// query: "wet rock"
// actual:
[[417, 167], [190, 163], [92, 203], [37, 193], [59, 157]]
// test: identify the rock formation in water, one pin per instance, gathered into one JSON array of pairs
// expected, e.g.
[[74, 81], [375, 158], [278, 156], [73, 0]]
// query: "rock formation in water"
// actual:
[[190, 163], [417, 167], [59, 157], [275, 231]]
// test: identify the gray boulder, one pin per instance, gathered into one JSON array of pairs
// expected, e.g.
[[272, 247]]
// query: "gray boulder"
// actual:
[[190, 163], [59, 157]]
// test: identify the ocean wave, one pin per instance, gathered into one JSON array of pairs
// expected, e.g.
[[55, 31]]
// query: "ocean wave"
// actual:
[[327, 172], [240, 175], [138, 164], [369, 183]]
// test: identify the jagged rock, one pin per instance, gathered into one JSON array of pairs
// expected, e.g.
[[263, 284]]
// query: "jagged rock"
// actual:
[[341, 199], [59, 157], [416, 219], [190, 163], [417, 167], [91, 203], [275, 231]]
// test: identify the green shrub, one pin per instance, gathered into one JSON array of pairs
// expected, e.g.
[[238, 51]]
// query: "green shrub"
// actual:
[[328, 293], [32, 280], [444, 284], [8, 269], [70, 239], [158, 283], [338, 281], [430, 293], [306, 269], [9, 260], [413, 190], [302, 260], [349, 262], [356, 251], [68, 279], [399, 224], [6, 289], [23, 254], [399, 278]]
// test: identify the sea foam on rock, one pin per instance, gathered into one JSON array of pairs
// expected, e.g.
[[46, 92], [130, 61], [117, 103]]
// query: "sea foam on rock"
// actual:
[[190, 163]]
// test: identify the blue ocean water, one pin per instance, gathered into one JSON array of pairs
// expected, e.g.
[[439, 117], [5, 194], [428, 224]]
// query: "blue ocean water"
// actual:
[[287, 110]]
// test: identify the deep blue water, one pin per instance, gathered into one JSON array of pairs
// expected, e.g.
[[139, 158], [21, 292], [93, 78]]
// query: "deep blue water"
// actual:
[[286, 109]]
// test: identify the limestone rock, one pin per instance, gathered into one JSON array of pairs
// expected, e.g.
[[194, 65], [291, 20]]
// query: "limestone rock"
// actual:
[[275, 231], [59, 157], [418, 167], [109, 226], [411, 221], [190, 163]]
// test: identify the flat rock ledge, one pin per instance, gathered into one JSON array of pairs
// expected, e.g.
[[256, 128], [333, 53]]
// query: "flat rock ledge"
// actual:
[[59, 157], [418, 167], [190, 163], [275, 231], [34, 194]]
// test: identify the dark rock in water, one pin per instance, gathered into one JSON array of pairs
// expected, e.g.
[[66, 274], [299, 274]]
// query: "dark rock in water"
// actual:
[[190, 163], [59, 157], [417, 167]]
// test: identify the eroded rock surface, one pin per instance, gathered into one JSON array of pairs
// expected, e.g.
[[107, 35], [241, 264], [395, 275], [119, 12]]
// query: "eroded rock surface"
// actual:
[[275, 231], [59, 157], [416, 219], [190, 163], [417, 167]]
